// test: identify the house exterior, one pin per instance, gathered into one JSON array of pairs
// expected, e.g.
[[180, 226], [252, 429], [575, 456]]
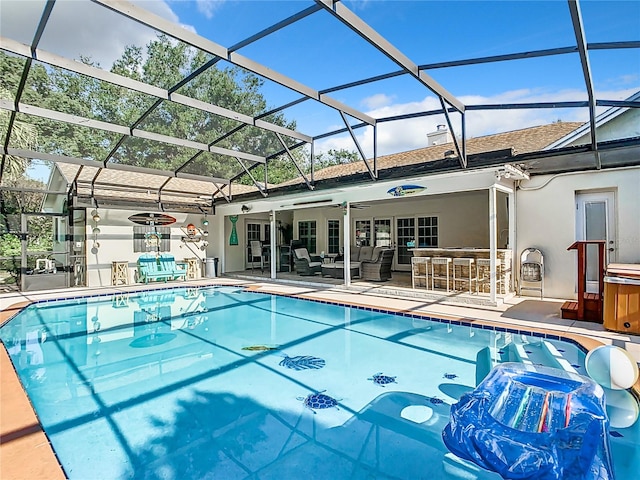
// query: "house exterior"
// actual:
[[487, 205]]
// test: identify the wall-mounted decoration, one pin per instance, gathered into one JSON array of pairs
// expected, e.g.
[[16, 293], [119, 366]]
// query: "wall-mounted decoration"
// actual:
[[158, 219], [404, 190], [191, 230], [152, 240], [143, 241], [233, 239]]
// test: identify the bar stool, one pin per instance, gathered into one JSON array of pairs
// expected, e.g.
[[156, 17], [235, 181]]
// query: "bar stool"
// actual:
[[440, 271], [119, 273], [420, 271], [459, 277], [483, 274]]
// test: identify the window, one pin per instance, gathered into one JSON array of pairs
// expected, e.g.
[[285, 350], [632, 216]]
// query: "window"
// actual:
[[254, 231], [363, 233], [427, 232], [405, 234], [307, 235], [415, 232], [333, 229], [382, 229]]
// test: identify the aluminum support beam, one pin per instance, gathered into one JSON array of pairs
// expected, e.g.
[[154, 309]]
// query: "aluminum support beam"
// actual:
[[153, 21], [355, 141], [356, 24], [111, 166], [137, 86], [255, 182], [462, 158], [114, 128], [293, 160], [576, 19]]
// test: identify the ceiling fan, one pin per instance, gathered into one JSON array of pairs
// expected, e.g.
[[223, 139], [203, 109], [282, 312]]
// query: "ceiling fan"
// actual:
[[354, 205]]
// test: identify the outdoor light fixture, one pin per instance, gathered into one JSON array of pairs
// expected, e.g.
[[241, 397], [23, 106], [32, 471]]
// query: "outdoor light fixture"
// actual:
[[511, 171]]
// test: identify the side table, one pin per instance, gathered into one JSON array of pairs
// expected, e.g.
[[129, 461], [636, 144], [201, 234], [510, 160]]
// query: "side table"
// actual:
[[119, 273]]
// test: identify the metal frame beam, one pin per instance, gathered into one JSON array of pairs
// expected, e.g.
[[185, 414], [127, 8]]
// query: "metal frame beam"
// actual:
[[153, 21], [355, 23], [141, 87], [293, 160], [126, 131], [111, 166], [357, 144], [576, 19]]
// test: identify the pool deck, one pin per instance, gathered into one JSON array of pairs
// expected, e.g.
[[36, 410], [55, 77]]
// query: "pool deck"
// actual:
[[25, 452]]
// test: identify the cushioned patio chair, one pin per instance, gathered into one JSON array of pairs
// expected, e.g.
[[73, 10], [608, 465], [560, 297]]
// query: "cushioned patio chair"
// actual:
[[306, 264], [378, 270]]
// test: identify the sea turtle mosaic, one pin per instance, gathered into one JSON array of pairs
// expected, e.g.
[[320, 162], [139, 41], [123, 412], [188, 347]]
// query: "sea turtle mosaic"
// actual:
[[382, 380], [450, 376], [318, 401], [302, 362], [261, 348]]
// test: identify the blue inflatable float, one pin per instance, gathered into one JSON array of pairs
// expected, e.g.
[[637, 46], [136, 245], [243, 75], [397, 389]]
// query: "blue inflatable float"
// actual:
[[533, 422]]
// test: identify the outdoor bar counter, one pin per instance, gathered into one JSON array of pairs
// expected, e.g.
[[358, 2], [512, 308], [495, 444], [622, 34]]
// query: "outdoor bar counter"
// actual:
[[503, 254]]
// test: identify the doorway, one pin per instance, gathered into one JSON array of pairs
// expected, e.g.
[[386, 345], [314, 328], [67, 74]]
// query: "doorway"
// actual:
[[259, 230], [46, 256], [596, 220]]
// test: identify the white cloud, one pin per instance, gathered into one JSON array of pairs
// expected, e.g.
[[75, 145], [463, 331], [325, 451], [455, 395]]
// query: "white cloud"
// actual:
[[81, 28], [208, 7], [377, 101], [399, 136]]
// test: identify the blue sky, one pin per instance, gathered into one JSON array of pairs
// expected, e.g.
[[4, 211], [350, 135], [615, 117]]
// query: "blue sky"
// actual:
[[320, 52]]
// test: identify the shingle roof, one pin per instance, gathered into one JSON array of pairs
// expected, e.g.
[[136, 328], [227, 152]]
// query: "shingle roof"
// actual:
[[526, 140]]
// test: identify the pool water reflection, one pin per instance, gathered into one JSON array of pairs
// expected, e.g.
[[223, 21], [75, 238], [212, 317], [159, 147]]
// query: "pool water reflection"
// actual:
[[218, 382]]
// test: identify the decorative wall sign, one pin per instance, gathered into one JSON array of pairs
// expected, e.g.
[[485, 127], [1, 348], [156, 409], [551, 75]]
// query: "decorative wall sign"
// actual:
[[404, 190], [152, 240], [191, 230], [151, 218], [233, 239]]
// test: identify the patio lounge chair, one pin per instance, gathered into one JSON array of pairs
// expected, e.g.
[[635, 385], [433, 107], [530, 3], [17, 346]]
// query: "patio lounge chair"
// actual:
[[378, 270], [305, 264]]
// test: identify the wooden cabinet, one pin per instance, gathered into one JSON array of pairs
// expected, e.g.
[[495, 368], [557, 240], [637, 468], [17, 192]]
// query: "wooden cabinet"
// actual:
[[622, 298]]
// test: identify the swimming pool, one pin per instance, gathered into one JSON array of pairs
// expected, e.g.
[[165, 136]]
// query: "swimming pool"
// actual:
[[220, 382]]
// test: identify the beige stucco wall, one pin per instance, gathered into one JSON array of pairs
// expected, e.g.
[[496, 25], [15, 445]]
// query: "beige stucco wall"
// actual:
[[463, 221], [116, 243], [546, 219], [463, 218]]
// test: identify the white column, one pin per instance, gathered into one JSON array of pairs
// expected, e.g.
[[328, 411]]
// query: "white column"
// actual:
[[346, 244], [273, 260], [512, 240], [492, 243]]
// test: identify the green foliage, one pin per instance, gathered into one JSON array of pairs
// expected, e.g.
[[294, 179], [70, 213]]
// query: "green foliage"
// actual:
[[163, 62], [9, 245]]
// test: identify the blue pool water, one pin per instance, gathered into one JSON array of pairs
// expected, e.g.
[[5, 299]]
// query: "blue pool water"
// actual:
[[217, 382]]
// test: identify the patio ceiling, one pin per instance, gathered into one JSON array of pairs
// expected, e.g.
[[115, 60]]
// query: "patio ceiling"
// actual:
[[223, 142]]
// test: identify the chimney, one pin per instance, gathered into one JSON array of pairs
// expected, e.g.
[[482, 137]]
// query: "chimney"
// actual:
[[439, 137]]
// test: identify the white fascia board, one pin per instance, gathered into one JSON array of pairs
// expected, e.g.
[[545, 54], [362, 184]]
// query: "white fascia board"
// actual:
[[452, 182]]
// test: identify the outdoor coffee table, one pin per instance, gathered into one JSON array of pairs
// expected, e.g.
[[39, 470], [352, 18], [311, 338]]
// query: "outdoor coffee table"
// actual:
[[336, 270]]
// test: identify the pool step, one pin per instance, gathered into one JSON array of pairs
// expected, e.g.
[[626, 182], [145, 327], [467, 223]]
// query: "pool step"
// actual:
[[543, 353]]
